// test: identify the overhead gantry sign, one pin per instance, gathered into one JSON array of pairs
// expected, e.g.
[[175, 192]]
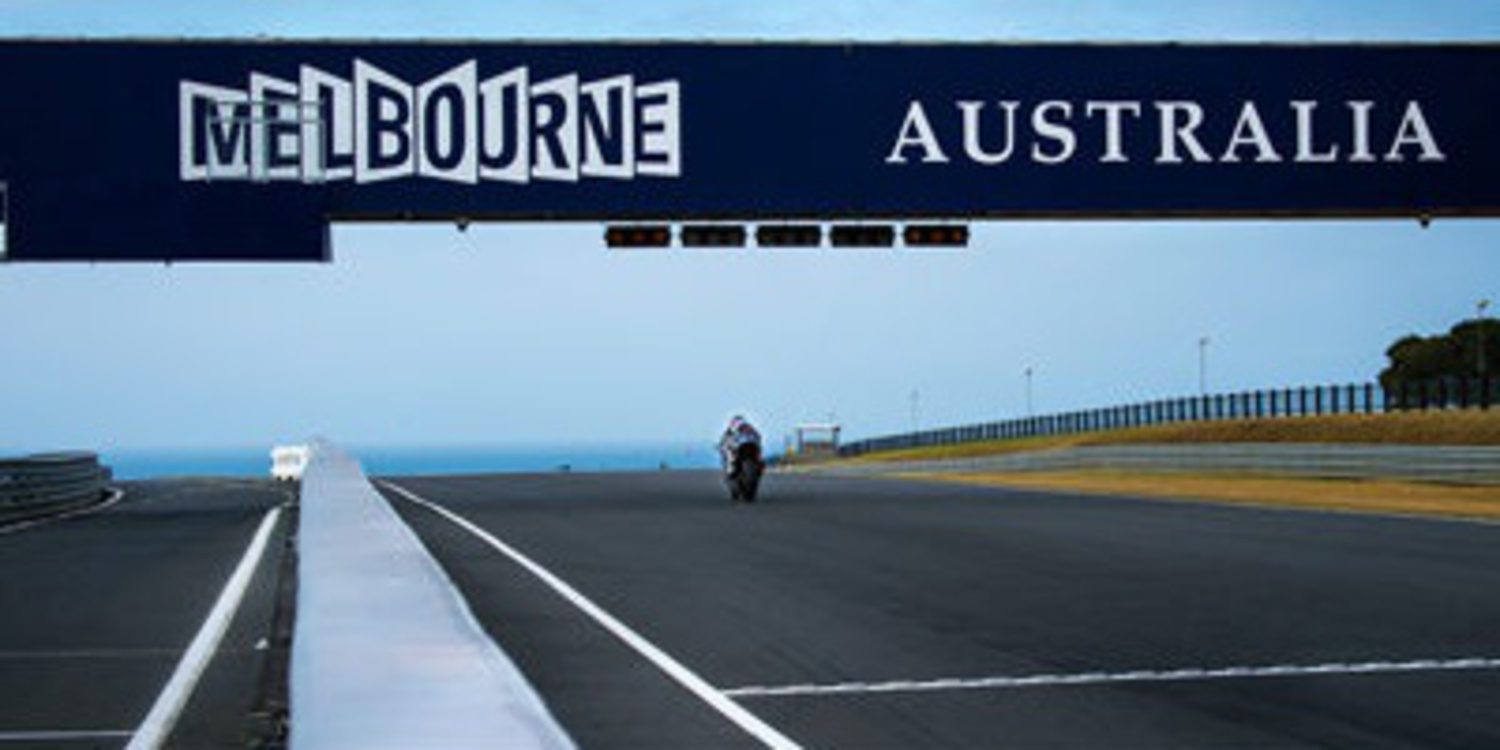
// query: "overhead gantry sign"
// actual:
[[223, 150]]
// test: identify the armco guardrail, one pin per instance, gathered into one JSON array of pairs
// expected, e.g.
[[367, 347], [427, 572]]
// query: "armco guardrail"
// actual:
[[1357, 398], [33, 485], [1459, 464]]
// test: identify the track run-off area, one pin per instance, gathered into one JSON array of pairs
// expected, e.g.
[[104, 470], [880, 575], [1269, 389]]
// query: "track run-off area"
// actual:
[[647, 611]]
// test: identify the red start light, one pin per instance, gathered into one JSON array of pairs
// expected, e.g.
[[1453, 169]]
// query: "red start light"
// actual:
[[647, 235], [713, 235], [936, 235], [789, 235]]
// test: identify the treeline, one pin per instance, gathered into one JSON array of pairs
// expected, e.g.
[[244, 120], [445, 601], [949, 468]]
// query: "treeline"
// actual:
[[1470, 349]]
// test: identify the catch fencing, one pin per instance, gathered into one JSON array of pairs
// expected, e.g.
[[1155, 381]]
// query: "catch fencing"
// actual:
[[1354, 398], [35, 485]]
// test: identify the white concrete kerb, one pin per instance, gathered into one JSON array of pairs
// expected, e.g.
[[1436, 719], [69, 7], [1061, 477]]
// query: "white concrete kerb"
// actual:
[[385, 651]]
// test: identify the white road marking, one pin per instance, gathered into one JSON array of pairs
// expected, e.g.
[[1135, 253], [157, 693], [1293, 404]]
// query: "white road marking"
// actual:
[[115, 493], [63, 735], [725, 705], [90, 653], [1108, 678], [158, 723]]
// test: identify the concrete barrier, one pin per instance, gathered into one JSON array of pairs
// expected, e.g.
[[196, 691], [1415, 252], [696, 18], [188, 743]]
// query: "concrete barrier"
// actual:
[[1457, 464], [385, 651]]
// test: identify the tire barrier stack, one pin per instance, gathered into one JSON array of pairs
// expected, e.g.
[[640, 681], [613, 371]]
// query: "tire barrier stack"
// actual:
[[37, 485]]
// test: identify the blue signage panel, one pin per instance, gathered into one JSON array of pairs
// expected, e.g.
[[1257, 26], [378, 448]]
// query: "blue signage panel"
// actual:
[[225, 150]]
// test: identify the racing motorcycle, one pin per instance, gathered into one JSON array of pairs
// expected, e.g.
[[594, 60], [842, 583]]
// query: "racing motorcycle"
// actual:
[[743, 470]]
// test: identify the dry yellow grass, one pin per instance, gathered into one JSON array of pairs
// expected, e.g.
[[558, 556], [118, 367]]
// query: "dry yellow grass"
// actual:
[[1471, 427], [1411, 498]]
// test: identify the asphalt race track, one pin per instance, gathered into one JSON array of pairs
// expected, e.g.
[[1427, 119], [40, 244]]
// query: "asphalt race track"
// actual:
[[834, 581], [842, 613], [99, 609]]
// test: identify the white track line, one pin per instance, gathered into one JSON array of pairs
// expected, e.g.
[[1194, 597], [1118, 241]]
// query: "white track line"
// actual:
[[64, 735], [674, 669], [158, 723], [116, 495], [1109, 678], [90, 653]]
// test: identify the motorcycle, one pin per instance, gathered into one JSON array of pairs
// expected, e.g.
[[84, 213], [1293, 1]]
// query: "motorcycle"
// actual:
[[743, 470]]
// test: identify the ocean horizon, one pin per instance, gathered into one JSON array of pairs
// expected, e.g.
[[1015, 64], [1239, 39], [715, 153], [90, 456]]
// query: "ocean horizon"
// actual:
[[385, 460]]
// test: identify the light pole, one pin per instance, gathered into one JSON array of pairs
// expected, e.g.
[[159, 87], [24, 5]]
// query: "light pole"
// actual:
[[914, 399], [1480, 307], [1202, 365], [1030, 412]]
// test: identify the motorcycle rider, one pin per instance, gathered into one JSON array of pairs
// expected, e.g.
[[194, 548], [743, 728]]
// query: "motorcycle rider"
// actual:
[[739, 432]]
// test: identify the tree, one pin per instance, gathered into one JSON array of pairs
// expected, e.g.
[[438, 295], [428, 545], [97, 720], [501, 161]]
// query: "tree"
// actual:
[[1452, 355]]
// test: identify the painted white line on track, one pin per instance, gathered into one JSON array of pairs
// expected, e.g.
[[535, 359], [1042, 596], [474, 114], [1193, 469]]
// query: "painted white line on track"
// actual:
[[91, 653], [116, 494], [63, 735], [715, 698], [158, 723], [1110, 678]]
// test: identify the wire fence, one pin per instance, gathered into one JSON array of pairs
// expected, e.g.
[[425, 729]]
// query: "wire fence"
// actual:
[[1317, 400]]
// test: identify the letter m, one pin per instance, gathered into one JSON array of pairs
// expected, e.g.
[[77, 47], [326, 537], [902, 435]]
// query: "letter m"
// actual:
[[213, 132]]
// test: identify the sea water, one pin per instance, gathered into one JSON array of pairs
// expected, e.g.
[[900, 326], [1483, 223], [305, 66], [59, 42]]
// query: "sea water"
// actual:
[[255, 461]]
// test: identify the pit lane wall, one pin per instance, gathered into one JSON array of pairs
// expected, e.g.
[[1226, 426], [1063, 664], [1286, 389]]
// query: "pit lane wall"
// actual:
[[385, 651]]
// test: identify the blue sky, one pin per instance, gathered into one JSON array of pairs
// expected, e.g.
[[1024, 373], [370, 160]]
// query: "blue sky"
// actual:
[[535, 334]]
